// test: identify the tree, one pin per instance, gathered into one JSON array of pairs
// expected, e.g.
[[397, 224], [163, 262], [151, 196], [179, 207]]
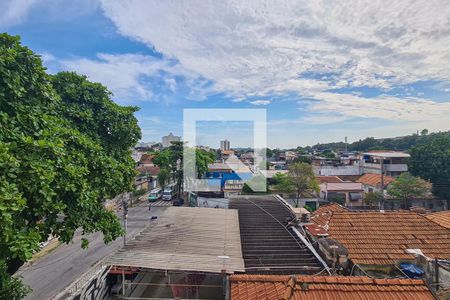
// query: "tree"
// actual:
[[171, 159], [163, 177], [283, 183], [407, 186], [302, 179], [64, 149], [431, 161], [424, 132], [372, 198], [11, 287]]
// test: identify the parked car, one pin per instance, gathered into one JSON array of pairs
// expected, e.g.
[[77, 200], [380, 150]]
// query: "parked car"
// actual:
[[178, 202]]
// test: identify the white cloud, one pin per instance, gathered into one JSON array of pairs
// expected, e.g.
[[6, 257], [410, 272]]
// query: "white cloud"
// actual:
[[13, 12], [254, 47], [135, 76], [304, 48], [260, 102], [382, 107]]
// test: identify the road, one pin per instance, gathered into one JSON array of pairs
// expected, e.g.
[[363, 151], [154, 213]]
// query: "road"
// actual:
[[53, 272]]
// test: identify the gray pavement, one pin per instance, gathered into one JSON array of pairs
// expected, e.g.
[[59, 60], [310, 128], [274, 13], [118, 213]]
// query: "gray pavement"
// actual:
[[52, 273]]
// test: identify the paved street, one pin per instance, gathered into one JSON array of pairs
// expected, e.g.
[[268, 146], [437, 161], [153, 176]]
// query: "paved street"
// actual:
[[53, 272]]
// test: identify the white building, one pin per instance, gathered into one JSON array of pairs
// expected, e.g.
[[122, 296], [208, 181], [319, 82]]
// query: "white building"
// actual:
[[168, 139], [225, 145], [393, 163]]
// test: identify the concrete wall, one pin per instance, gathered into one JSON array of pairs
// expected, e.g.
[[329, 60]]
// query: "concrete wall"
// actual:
[[336, 171]]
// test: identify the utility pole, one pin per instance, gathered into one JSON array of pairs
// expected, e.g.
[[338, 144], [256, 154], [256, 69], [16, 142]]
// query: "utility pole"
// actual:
[[125, 217], [382, 182]]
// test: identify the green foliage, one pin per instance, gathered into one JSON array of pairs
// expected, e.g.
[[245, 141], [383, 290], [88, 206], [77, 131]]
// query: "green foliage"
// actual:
[[11, 287], [140, 192], [163, 177], [302, 159], [283, 183], [308, 208], [302, 179], [336, 198], [202, 159], [406, 186], [401, 143], [431, 161], [328, 154], [64, 149], [372, 198]]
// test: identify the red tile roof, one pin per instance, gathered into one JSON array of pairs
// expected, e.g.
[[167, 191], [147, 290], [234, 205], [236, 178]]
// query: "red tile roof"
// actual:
[[328, 179], [150, 170], [275, 287], [322, 215], [441, 217], [378, 238], [146, 159], [375, 180]]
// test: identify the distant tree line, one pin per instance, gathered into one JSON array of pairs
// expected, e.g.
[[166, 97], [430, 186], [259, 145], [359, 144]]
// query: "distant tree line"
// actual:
[[403, 143]]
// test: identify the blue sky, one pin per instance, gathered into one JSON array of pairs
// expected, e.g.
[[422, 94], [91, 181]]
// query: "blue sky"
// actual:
[[322, 70]]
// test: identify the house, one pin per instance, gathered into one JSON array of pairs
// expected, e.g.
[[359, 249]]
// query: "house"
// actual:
[[347, 193], [232, 187], [148, 177], [146, 160], [225, 154], [372, 182], [378, 241], [392, 163], [442, 218], [285, 287], [328, 179], [344, 165]]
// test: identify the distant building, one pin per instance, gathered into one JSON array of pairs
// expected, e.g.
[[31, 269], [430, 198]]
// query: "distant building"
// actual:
[[142, 146], [168, 139], [225, 145], [348, 193], [392, 163], [344, 165], [372, 182]]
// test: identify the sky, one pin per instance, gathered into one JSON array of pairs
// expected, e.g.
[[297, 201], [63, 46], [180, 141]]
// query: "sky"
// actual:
[[323, 70]]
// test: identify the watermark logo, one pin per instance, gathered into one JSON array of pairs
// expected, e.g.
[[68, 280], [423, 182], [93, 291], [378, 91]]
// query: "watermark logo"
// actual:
[[251, 174]]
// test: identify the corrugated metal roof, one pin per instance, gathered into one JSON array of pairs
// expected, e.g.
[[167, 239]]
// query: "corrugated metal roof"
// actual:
[[187, 239], [275, 287], [442, 218], [268, 245]]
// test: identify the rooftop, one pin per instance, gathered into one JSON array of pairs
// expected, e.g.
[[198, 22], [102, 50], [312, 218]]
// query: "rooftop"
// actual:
[[275, 287], [375, 179], [343, 186], [442, 218], [387, 154], [322, 215], [268, 246], [328, 179], [381, 238], [187, 239]]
